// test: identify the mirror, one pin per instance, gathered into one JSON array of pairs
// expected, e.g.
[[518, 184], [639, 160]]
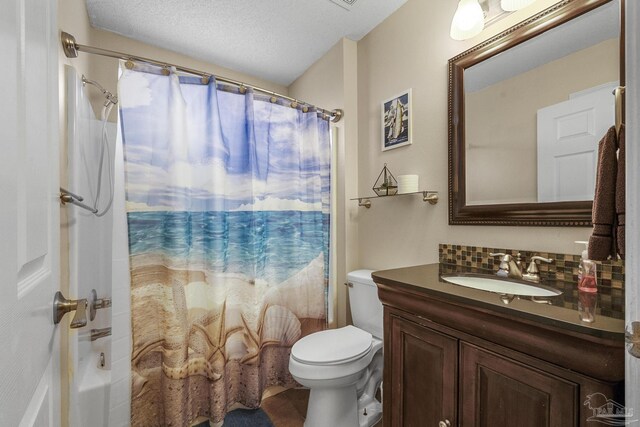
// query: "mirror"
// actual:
[[527, 109]]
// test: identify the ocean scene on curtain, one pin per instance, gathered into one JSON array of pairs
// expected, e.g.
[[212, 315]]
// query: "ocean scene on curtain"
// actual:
[[228, 213]]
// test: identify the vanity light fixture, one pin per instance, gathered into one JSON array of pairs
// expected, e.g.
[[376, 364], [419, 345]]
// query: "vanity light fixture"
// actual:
[[472, 16], [513, 5], [468, 20]]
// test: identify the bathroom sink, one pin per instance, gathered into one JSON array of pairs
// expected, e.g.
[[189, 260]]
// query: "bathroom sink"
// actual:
[[501, 286]]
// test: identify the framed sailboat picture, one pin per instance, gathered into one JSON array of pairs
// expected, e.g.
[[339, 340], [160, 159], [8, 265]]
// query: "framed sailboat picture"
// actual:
[[396, 121]]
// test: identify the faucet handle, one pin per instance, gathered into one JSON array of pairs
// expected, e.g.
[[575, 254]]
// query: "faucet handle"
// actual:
[[540, 258], [503, 269], [533, 274], [504, 258], [533, 266]]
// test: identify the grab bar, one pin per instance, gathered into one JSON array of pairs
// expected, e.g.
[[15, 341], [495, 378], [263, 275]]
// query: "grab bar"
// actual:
[[67, 196]]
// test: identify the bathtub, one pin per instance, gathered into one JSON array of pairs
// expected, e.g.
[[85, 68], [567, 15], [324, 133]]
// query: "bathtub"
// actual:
[[92, 383]]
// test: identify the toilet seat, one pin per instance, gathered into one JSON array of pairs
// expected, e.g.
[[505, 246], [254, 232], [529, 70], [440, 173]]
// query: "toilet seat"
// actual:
[[333, 346]]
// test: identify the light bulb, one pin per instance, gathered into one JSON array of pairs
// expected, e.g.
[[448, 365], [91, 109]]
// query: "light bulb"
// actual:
[[468, 20]]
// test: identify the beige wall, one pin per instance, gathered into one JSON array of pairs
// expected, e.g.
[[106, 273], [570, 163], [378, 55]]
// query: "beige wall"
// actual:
[[410, 49], [331, 83], [504, 137]]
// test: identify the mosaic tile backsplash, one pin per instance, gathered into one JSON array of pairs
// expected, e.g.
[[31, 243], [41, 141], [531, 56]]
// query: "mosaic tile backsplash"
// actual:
[[564, 268]]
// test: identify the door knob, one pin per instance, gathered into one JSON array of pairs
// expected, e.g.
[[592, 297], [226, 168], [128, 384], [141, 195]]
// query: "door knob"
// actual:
[[62, 306], [445, 423]]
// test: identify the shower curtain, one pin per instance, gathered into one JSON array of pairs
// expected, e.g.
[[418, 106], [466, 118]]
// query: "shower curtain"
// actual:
[[228, 214]]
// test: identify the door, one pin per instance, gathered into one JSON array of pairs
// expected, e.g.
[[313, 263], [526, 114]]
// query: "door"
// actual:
[[632, 291], [423, 387], [29, 214], [568, 136]]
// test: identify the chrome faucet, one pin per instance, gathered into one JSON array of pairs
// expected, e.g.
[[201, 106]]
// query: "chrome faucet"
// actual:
[[508, 266]]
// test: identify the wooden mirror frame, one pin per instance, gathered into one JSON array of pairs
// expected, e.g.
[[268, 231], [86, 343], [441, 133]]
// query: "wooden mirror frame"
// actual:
[[553, 214]]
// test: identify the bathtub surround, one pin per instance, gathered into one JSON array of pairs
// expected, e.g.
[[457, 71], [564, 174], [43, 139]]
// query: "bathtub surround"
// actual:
[[90, 252], [228, 214]]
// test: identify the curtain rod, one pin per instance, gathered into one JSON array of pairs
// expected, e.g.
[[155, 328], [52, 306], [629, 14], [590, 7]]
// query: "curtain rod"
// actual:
[[71, 49]]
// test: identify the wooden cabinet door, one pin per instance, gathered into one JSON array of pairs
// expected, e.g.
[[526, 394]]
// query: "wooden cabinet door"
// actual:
[[423, 376], [497, 391]]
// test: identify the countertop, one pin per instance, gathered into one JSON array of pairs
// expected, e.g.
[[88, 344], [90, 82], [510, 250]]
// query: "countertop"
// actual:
[[562, 311]]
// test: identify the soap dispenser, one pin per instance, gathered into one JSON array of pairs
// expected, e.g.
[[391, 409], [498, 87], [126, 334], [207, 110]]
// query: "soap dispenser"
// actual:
[[586, 271]]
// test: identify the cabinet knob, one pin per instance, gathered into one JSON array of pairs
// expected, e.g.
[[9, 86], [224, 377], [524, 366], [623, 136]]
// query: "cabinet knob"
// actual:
[[445, 423]]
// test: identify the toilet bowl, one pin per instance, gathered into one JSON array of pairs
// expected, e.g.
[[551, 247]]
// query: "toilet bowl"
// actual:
[[343, 367]]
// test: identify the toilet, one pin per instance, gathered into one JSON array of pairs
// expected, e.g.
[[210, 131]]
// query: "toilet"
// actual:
[[343, 367]]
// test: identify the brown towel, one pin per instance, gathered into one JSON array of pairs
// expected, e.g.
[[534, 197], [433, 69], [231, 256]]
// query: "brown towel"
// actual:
[[601, 243], [620, 195]]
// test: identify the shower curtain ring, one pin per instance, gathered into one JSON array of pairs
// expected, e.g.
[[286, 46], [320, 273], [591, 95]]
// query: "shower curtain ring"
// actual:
[[242, 89], [294, 104]]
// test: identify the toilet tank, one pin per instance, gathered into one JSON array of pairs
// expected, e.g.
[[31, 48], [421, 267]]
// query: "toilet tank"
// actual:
[[366, 308]]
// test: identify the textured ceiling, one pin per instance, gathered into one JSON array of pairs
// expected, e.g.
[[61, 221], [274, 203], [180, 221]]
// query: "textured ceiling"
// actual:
[[273, 39]]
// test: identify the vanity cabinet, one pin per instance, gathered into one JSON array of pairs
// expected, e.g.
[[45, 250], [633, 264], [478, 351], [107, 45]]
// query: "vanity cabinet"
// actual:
[[429, 370], [451, 361]]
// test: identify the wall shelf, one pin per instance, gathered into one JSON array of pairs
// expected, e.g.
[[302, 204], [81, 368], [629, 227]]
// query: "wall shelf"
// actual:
[[427, 196]]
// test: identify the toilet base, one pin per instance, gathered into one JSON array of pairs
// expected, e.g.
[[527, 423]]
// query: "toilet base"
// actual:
[[332, 407], [374, 414]]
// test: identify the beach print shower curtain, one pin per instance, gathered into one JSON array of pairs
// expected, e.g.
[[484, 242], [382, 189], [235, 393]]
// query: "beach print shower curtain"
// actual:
[[228, 214]]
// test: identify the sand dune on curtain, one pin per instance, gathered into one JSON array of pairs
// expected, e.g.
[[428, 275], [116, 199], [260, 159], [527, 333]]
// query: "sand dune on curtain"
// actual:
[[195, 327]]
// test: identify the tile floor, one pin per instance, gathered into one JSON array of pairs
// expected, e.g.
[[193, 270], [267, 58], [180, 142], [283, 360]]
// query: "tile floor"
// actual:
[[287, 409]]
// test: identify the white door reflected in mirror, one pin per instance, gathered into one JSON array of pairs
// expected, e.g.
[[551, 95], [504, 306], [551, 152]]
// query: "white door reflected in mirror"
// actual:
[[568, 136]]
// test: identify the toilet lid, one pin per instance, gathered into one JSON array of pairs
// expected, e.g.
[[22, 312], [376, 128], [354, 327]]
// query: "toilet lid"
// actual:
[[332, 346]]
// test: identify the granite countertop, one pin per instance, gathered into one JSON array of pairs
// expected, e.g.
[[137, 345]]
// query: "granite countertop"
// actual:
[[563, 311]]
